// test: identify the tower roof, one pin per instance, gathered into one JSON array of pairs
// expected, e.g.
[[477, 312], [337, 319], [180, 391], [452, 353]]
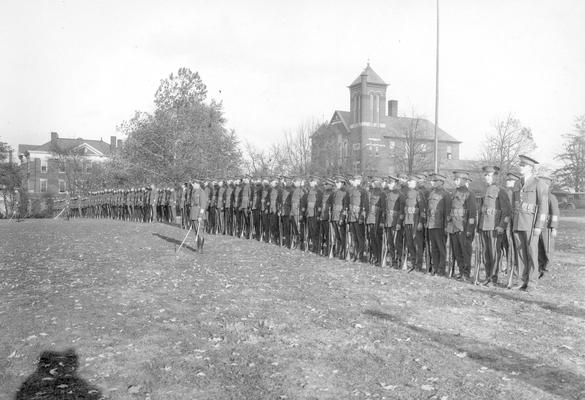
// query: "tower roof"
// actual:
[[371, 77]]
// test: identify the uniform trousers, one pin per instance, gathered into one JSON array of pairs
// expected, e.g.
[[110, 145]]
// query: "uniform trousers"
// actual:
[[256, 223], [325, 239], [491, 243], [414, 242], [462, 248], [375, 238], [265, 217], [527, 252], [438, 250], [358, 234], [340, 235], [313, 224], [391, 246]]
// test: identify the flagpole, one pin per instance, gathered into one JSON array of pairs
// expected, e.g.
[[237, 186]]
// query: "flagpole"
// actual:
[[437, 97]]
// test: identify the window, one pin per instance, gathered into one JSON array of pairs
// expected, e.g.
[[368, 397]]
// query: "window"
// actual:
[[377, 153], [88, 166], [356, 167], [62, 186], [61, 167], [31, 185], [356, 146], [43, 185], [371, 107], [449, 153], [391, 146], [424, 147], [44, 166]]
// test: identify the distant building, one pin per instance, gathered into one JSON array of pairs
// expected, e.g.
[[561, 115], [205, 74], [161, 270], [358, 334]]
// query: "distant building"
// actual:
[[47, 167], [371, 138]]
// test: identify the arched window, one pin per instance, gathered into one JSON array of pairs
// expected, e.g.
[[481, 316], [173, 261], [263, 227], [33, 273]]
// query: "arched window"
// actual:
[[371, 107], [377, 109]]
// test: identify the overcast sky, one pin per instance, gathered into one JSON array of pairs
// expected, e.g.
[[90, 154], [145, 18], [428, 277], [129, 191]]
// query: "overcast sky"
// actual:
[[82, 67]]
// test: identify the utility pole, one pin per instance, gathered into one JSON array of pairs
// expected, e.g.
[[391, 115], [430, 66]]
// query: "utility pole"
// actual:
[[437, 97]]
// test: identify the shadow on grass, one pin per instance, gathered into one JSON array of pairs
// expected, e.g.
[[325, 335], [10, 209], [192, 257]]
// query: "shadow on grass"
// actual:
[[56, 378], [175, 241], [565, 310], [553, 380]]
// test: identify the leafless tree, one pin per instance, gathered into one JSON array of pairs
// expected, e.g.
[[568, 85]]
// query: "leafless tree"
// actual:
[[508, 140], [572, 173], [414, 149]]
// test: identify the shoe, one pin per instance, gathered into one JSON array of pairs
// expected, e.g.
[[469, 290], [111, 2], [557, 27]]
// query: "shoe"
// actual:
[[520, 287], [410, 269], [486, 282], [540, 274]]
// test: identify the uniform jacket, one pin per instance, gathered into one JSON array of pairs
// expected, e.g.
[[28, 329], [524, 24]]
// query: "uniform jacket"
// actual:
[[340, 205], [298, 202], [275, 200], [286, 200], [394, 209], [358, 206], [438, 208], [199, 203], [377, 203], [530, 204], [314, 202], [495, 209], [462, 217], [553, 211], [327, 204], [414, 207]]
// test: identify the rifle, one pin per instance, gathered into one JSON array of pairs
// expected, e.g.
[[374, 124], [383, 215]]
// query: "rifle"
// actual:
[[252, 225], [348, 242], [511, 257], [384, 246], [427, 243], [306, 233], [332, 238], [404, 249], [449, 253], [280, 233], [320, 237], [478, 257]]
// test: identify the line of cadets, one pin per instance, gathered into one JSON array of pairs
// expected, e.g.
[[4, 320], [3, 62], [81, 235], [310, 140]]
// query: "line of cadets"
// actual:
[[395, 221]]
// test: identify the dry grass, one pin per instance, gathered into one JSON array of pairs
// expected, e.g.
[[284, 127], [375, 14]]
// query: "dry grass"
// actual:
[[246, 320]]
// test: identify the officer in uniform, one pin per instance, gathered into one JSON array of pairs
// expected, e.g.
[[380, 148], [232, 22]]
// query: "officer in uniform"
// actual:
[[296, 214], [286, 209], [256, 208], [374, 222], [461, 224], [438, 209], [244, 207], [313, 213], [358, 208], [274, 210], [494, 216], [394, 217], [414, 220], [236, 216], [199, 203], [340, 205], [530, 212], [265, 210], [229, 208], [546, 244], [325, 240]]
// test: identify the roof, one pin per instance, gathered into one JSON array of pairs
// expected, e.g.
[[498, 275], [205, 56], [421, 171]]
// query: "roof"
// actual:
[[460, 165], [65, 144], [371, 77], [395, 127]]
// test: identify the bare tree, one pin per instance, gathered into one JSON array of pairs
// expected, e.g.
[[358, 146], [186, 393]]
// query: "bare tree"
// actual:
[[414, 150], [508, 140], [572, 173]]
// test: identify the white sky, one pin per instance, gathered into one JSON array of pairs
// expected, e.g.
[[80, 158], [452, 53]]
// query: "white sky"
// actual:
[[82, 67]]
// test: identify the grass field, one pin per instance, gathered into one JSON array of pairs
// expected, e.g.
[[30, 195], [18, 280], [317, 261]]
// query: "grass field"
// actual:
[[246, 320]]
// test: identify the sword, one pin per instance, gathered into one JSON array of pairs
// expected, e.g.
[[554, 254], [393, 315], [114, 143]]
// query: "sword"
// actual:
[[189, 231]]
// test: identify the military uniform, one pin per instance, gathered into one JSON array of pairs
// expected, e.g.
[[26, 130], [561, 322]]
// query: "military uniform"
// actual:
[[438, 209], [530, 212], [313, 213], [461, 225], [546, 244], [393, 220], [414, 220], [358, 208], [340, 207], [494, 217], [374, 222]]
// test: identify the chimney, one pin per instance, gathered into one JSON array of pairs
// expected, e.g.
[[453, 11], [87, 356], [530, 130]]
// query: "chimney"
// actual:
[[54, 136], [392, 108], [112, 143], [119, 143]]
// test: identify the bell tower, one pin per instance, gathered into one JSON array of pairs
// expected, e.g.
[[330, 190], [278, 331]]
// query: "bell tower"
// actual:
[[367, 96]]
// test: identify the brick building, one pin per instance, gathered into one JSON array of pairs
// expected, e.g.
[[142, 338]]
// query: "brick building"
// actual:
[[371, 138], [48, 168]]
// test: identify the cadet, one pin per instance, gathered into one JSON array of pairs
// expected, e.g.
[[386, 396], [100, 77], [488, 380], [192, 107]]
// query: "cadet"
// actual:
[[375, 213], [327, 236], [438, 209], [358, 208], [414, 220], [229, 208], [340, 205], [265, 210], [394, 216], [313, 213], [530, 211], [461, 224], [274, 210], [494, 216], [296, 214]]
